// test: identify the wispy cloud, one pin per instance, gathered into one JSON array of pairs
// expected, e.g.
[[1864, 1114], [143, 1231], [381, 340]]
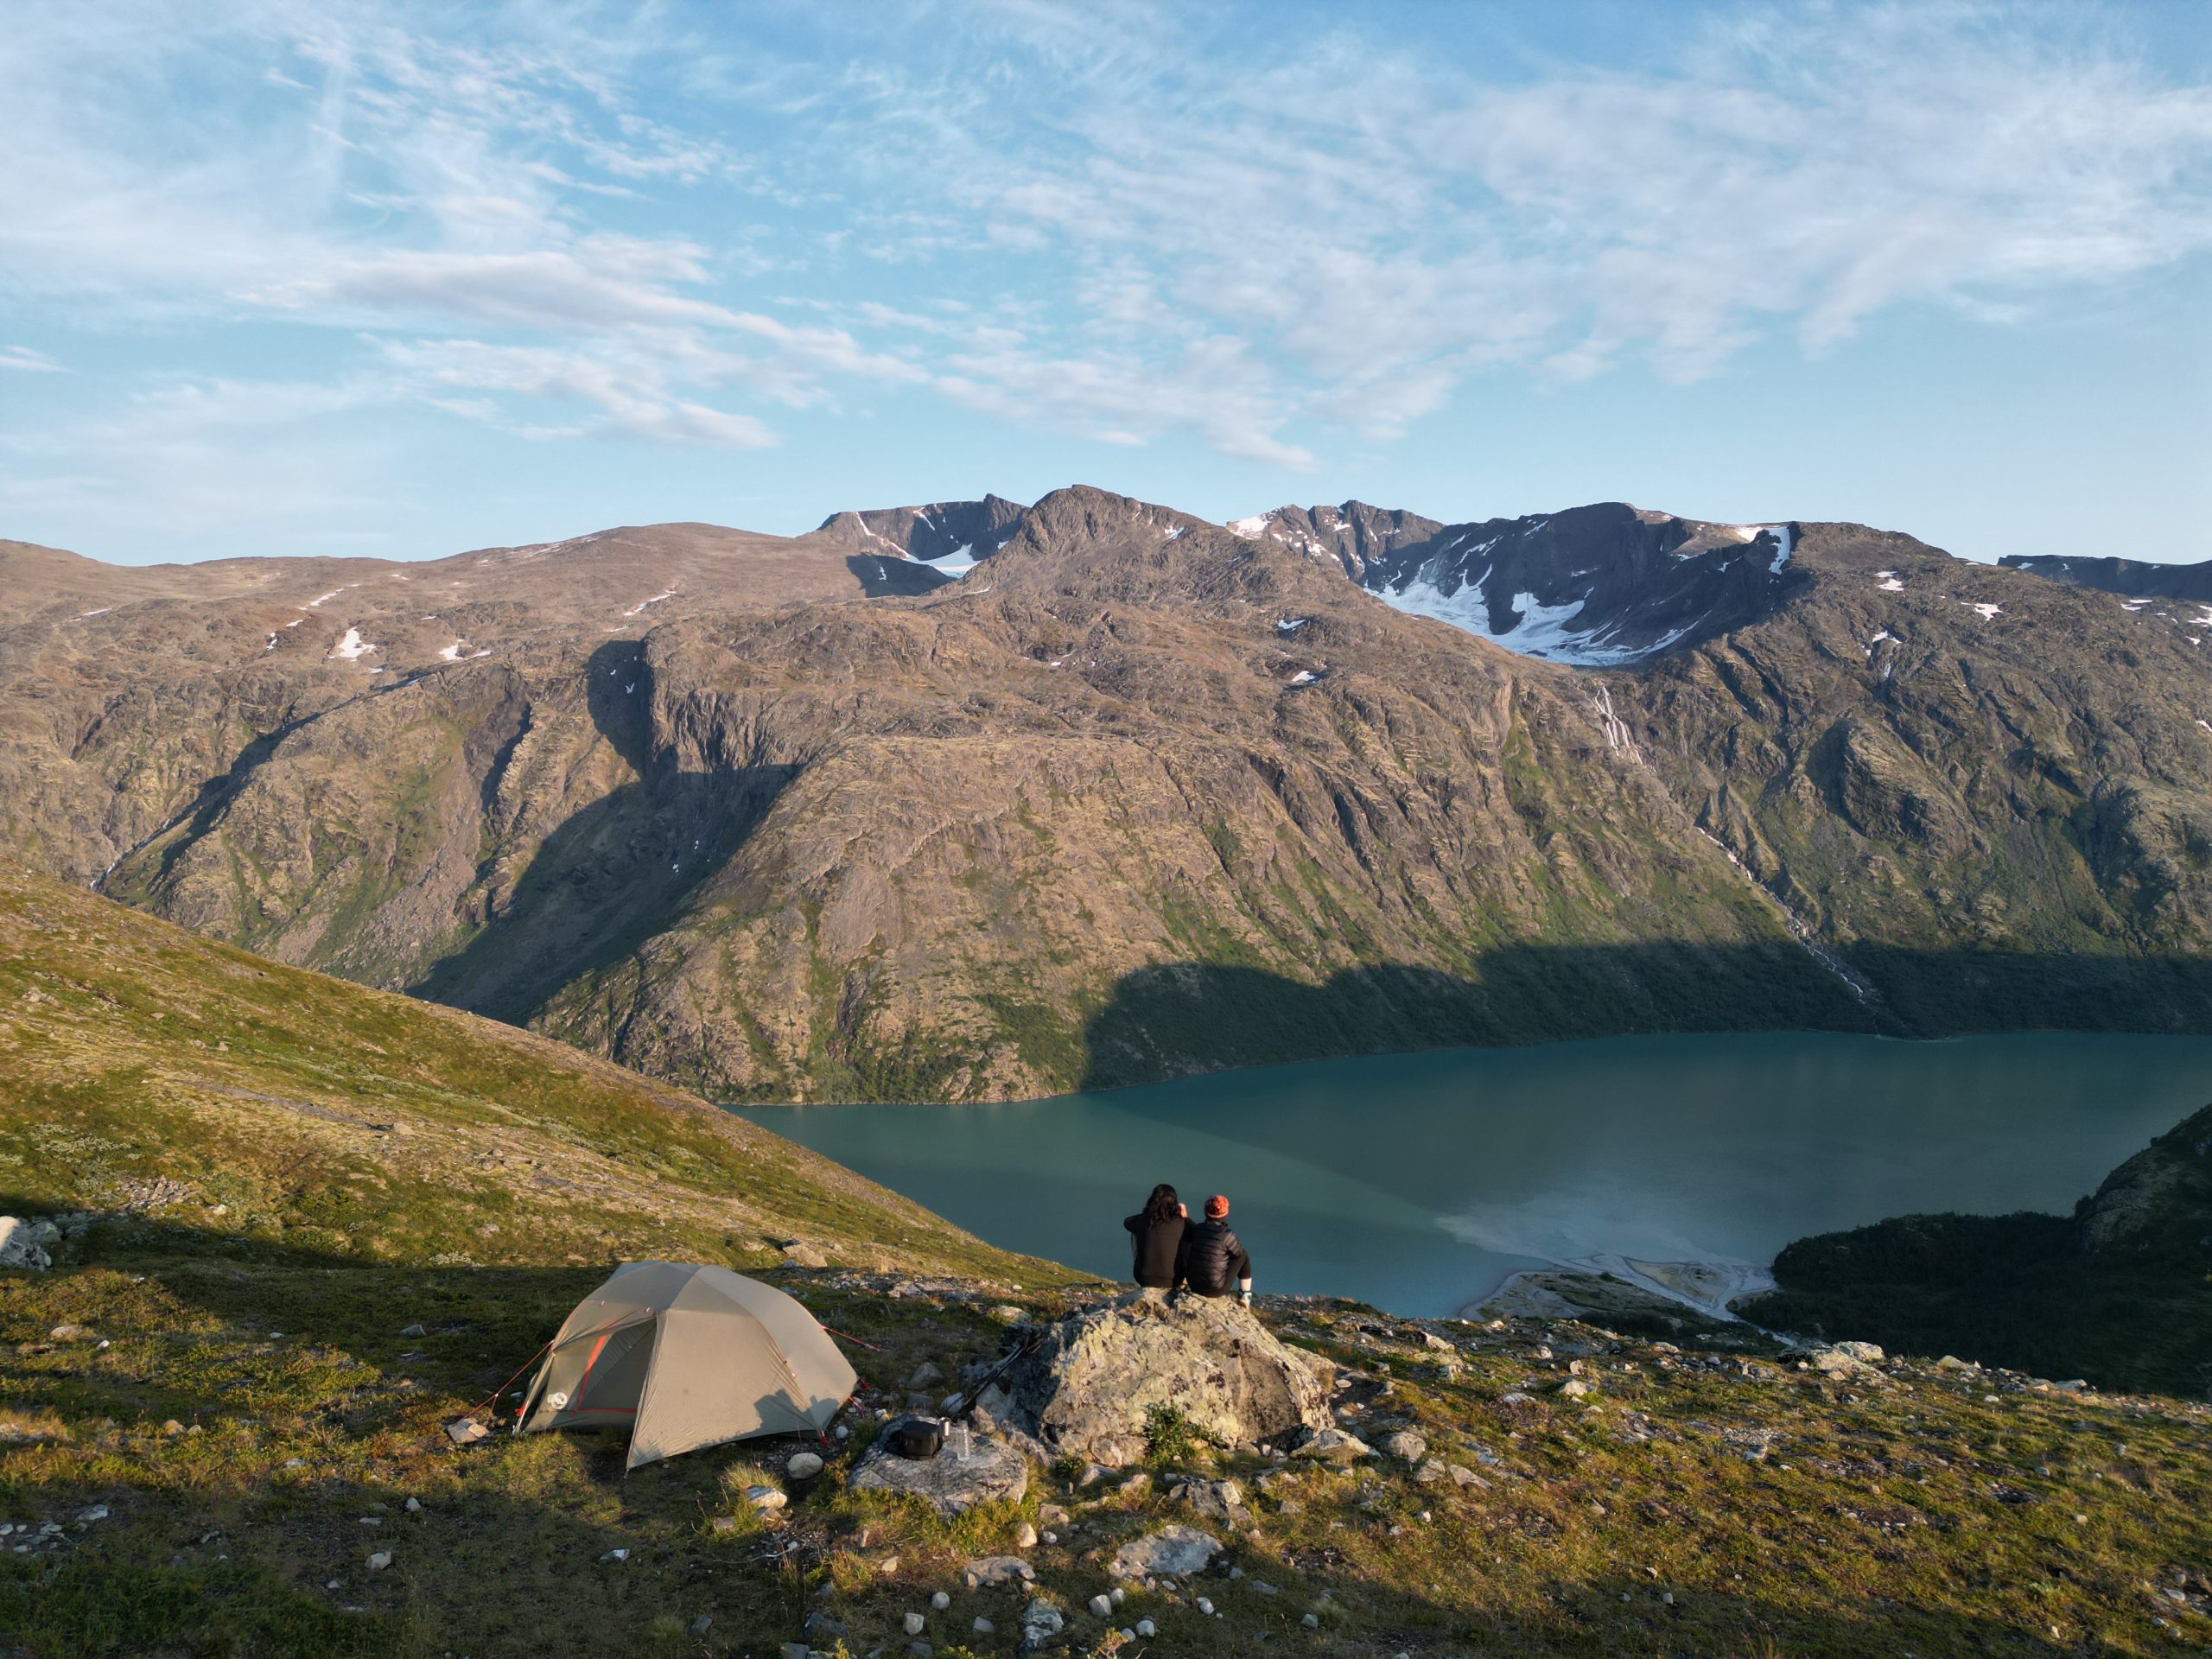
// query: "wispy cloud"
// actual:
[[1131, 224]]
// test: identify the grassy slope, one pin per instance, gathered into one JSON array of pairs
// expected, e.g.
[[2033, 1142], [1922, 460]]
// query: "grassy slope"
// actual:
[[151, 1071]]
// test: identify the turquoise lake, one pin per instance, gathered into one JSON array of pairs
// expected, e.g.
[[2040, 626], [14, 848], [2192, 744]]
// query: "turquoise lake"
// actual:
[[1419, 1181]]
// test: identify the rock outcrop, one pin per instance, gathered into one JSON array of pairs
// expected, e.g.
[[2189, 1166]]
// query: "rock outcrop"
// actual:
[[958, 1478], [23, 1244], [1094, 1385]]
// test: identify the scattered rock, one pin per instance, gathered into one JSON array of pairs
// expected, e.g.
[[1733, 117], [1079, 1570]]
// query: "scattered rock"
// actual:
[[1091, 1386], [800, 1254], [982, 1626], [996, 1569], [1171, 1553], [803, 1465], [1576, 1387], [615, 1555], [1406, 1444], [466, 1431], [926, 1376], [991, 1471], [1025, 1536], [1333, 1444], [1100, 1606], [415, 1330], [20, 1245], [702, 1624], [913, 1622], [380, 1560], [766, 1499], [1041, 1621], [940, 1601], [1145, 1627], [1008, 1313]]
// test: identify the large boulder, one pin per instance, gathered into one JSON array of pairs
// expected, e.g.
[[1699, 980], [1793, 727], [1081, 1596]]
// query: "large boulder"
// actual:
[[23, 1244], [1092, 1385]]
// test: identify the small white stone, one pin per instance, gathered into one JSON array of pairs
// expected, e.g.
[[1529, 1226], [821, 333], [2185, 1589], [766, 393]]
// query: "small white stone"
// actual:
[[1119, 1594], [982, 1626], [803, 1465], [1101, 1605], [414, 1506], [1145, 1627], [914, 1621], [940, 1601], [380, 1560], [1025, 1536], [1312, 1621], [1205, 1607]]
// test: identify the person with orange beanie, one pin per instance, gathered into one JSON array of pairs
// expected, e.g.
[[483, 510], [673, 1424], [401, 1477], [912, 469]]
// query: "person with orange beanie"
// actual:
[[1212, 1259]]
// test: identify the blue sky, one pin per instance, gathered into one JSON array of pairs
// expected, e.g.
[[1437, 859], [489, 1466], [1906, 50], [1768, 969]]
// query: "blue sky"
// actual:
[[340, 278]]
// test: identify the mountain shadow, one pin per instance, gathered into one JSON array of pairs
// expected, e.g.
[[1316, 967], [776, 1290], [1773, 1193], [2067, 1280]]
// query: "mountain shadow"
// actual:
[[1191, 1017], [614, 874]]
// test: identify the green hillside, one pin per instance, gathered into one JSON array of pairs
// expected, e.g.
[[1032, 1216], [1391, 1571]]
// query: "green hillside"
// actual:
[[2119, 1292]]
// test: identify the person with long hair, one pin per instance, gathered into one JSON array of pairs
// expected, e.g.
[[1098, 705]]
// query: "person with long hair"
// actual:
[[1156, 1242]]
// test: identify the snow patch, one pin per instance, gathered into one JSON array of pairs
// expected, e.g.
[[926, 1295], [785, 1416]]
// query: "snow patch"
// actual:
[[1985, 612], [1250, 529], [315, 602], [271, 645], [102, 611], [1781, 538], [1291, 625], [1876, 639], [655, 600], [1544, 631], [452, 652], [352, 648], [1303, 676], [958, 563], [1888, 582]]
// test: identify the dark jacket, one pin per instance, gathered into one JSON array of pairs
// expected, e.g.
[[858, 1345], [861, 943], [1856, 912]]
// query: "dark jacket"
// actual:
[[1155, 1247], [1212, 1261]]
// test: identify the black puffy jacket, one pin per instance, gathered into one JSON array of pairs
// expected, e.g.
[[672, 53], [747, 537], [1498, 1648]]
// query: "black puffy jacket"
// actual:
[[1155, 1247], [1212, 1260]]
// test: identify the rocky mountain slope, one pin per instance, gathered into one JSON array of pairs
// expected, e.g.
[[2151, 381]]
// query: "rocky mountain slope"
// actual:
[[1135, 794], [2120, 1292]]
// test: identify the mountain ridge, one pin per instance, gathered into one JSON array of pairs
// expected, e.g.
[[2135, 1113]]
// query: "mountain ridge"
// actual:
[[733, 810]]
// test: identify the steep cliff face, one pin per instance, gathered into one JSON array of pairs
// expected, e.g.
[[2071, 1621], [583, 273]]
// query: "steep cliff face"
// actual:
[[1130, 795]]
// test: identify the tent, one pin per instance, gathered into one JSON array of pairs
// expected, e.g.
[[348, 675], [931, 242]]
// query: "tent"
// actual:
[[684, 1356]]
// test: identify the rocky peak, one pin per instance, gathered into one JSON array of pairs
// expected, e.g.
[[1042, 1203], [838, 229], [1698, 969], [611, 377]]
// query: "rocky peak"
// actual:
[[2136, 578], [1604, 585]]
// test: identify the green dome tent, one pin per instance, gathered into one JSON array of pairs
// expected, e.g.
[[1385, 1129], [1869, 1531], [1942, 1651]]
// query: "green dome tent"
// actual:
[[684, 1356]]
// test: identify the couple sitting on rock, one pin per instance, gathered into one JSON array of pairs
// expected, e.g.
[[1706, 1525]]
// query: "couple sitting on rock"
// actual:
[[1174, 1253]]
